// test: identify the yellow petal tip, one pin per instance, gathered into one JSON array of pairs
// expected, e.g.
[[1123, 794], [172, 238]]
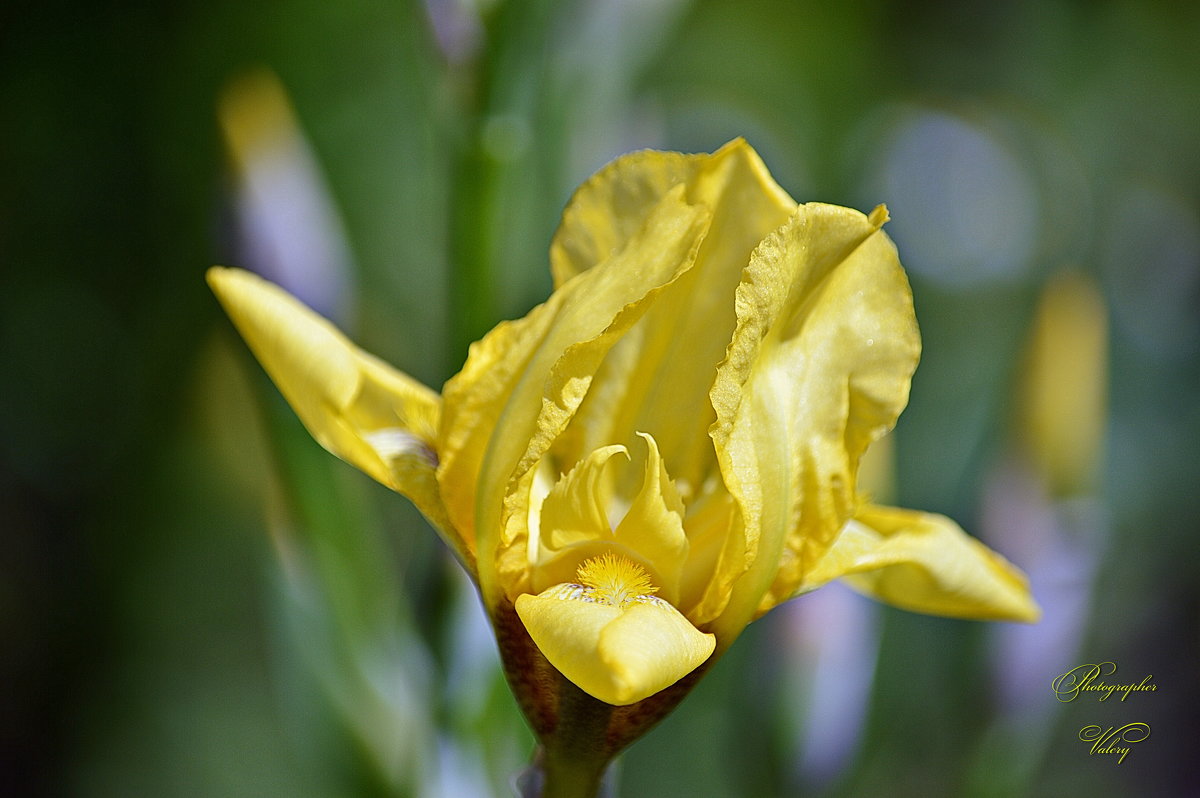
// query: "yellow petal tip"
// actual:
[[924, 562], [216, 276]]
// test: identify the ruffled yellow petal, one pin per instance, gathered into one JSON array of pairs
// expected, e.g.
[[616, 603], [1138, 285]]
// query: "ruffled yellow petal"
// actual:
[[619, 655], [370, 415], [818, 367], [606, 211], [925, 563], [473, 400], [525, 380], [680, 341]]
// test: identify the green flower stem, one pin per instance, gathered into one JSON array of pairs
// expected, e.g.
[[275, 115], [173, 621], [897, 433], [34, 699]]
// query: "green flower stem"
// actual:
[[574, 760]]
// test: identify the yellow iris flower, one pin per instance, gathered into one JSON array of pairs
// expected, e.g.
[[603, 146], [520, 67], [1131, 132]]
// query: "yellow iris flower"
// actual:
[[667, 447]]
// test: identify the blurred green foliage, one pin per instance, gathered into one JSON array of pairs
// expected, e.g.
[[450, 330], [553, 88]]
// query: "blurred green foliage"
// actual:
[[196, 600]]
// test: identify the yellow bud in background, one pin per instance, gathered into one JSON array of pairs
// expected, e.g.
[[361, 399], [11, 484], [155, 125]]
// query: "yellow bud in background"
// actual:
[[1063, 392]]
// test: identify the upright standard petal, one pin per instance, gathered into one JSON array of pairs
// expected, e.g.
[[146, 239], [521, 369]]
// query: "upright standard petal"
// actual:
[[607, 210], [925, 563], [356, 406], [680, 340], [818, 367], [523, 383]]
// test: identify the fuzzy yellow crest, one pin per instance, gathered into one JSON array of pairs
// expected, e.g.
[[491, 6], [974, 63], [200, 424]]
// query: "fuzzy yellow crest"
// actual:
[[614, 580]]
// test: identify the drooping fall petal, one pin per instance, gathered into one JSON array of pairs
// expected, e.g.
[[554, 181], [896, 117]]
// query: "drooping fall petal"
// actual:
[[925, 563], [367, 413], [609, 636]]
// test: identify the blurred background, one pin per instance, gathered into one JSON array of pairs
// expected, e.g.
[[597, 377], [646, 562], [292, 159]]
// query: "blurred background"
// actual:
[[195, 600]]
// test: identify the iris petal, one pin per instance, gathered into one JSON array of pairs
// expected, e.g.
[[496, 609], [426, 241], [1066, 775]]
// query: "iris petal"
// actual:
[[607, 210], [818, 367], [618, 655], [925, 563], [503, 423], [682, 338], [355, 405]]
